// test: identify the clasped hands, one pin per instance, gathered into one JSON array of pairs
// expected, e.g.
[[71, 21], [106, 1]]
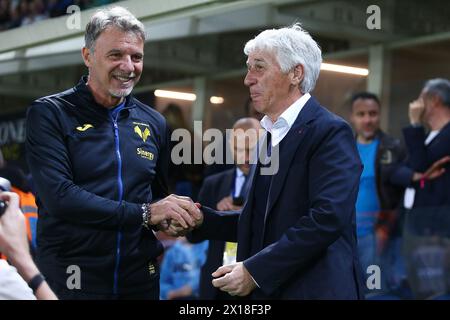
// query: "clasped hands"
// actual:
[[175, 215]]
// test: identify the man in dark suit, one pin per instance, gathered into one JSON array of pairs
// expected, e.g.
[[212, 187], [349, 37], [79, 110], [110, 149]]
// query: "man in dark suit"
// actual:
[[226, 191], [432, 108], [296, 234], [426, 225]]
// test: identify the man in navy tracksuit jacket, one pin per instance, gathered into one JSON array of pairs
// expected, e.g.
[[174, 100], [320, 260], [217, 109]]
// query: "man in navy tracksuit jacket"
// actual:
[[99, 161]]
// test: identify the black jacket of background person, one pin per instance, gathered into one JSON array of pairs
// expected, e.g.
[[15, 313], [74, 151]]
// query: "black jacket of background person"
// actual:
[[92, 173], [391, 176], [214, 189], [389, 161], [436, 192]]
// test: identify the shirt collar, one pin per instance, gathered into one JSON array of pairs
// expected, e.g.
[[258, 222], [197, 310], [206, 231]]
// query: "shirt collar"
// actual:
[[288, 117], [239, 173]]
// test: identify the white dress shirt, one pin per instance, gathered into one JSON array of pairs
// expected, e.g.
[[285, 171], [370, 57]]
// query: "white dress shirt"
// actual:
[[281, 127]]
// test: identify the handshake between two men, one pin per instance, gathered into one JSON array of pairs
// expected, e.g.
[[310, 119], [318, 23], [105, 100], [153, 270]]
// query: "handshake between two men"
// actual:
[[175, 215]]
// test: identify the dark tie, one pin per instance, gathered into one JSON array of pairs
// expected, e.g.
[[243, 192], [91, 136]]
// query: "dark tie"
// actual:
[[269, 144], [245, 188]]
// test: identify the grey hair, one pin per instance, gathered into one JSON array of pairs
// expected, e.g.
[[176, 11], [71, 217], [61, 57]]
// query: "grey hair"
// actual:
[[292, 46], [439, 87], [116, 16]]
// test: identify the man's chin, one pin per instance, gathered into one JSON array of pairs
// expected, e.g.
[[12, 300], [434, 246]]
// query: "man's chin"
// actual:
[[121, 93], [369, 135]]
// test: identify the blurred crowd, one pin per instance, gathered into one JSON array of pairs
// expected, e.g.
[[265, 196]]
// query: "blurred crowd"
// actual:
[[17, 13]]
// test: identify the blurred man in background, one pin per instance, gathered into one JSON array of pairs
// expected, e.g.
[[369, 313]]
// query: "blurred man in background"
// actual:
[[431, 109], [426, 236], [180, 270], [227, 191], [379, 192]]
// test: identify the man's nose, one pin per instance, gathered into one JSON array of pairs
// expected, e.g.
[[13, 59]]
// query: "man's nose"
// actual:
[[249, 79], [367, 119], [127, 64]]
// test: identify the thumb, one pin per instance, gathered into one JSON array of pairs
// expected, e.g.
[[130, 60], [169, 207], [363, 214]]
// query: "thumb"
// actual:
[[223, 270]]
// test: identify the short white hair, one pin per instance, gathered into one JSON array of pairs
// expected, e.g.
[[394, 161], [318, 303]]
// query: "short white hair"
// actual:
[[292, 46]]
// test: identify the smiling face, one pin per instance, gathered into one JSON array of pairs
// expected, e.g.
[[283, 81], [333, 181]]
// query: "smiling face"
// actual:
[[271, 90], [115, 65]]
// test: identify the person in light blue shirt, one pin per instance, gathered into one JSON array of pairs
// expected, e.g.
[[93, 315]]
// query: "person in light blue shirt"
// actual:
[[180, 270], [367, 204]]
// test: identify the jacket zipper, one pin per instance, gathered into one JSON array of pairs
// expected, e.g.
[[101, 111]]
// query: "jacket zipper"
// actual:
[[120, 184]]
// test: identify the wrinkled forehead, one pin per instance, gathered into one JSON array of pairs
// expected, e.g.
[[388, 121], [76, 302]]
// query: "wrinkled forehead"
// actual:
[[113, 35], [260, 55]]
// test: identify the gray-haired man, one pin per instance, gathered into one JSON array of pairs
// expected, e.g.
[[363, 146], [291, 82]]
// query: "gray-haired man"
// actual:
[[99, 160], [432, 108]]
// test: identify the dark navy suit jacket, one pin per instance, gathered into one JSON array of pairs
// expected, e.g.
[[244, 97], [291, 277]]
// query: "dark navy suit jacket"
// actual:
[[308, 243], [214, 189], [434, 192]]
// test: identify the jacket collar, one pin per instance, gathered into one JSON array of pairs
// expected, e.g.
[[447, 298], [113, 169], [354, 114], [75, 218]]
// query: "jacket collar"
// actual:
[[83, 90]]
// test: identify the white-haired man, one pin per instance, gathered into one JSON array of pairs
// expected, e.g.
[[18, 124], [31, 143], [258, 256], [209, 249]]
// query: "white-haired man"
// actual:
[[296, 234]]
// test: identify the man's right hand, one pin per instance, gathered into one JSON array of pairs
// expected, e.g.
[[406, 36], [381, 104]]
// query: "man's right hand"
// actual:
[[174, 229], [416, 111], [175, 208]]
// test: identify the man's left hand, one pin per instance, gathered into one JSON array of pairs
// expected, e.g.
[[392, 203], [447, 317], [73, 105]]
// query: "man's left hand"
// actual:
[[173, 229], [436, 169], [234, 279]]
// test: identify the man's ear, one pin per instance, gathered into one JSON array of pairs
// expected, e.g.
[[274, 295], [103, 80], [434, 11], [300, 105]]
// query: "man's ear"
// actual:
[[87, 57], [297, 75], [435, 99]]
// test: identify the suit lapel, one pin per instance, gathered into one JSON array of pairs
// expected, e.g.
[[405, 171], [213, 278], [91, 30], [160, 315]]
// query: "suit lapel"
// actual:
[[254, 169], [290, 143], [244, 240]]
